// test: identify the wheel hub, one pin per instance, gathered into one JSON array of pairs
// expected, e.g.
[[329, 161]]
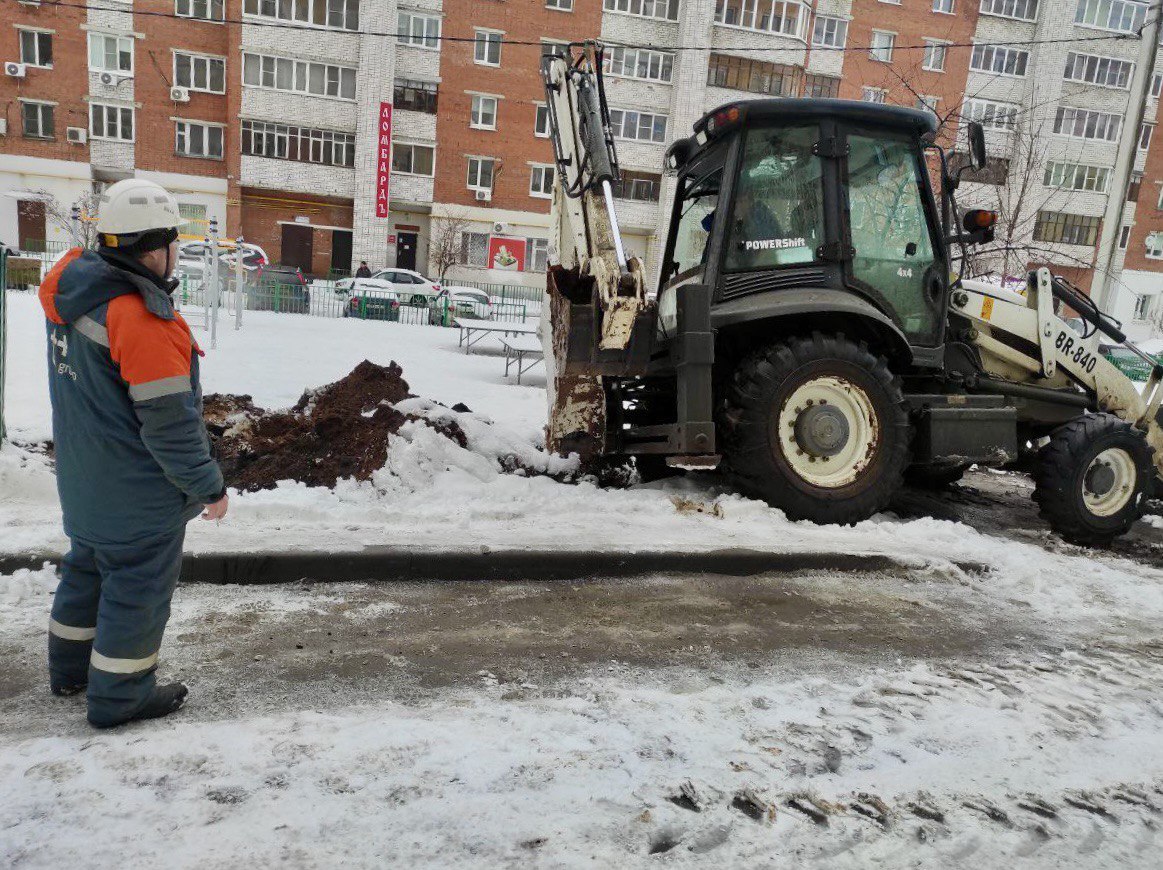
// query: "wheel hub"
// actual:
[[827, 431], [1100, 477], [822, 430], [1109, 482]]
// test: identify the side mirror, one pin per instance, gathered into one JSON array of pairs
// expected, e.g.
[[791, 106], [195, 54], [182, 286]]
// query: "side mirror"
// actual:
[[976, 145]]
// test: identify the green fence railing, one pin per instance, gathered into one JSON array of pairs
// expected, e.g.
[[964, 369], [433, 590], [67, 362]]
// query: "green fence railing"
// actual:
[[1130, 365]]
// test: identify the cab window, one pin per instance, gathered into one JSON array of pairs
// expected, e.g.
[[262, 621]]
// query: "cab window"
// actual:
[[894, 249], [700, 198], [778, 215]]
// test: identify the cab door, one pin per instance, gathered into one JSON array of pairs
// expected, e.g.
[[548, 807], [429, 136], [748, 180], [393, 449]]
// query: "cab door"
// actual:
[[897, 260]]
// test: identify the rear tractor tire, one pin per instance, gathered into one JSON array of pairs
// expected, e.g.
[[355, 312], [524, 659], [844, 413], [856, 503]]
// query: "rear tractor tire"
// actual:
[[1093, 479], [818, 428]]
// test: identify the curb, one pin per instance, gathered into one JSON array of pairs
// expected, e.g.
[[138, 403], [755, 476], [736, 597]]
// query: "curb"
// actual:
[[378, 564]]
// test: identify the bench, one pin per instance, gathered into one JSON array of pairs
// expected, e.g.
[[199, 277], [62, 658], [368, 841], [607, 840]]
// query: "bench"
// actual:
[[468, 327], [524, 350]]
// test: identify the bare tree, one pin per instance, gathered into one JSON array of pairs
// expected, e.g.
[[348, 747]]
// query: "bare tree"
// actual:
[[445, 241], [78, 221]]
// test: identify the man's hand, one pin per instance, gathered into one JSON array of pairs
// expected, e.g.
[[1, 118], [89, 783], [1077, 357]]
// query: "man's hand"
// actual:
[[217, 510]]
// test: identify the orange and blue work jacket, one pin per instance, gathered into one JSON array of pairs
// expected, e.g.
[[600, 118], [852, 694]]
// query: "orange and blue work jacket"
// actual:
[[132, 455]]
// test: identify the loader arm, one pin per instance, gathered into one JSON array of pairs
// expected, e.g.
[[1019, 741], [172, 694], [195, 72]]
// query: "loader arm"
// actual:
[[1022, 340], [596, 320]]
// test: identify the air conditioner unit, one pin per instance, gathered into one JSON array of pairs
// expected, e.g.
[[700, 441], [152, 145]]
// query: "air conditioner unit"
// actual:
[[107, 78], [16, 70], [500, 227], [77, 135], [484, 195], [180, 95]]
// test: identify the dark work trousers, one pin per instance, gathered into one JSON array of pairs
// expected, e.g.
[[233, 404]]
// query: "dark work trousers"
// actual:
[[108, 617]]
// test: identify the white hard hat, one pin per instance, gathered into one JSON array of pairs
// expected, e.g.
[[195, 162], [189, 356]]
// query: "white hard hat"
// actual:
[[134, 206]]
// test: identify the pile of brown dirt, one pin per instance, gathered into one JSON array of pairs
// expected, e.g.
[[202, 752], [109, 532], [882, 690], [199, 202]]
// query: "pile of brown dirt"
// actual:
[[337, 431]]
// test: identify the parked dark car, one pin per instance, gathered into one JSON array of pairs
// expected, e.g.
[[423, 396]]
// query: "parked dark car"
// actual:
[[373, 306], [275, 287]]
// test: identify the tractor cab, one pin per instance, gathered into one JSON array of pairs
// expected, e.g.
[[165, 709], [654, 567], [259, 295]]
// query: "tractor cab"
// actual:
[[811, 208]]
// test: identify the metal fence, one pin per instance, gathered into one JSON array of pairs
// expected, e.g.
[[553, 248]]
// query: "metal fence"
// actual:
[[324, 299], [321, 298]]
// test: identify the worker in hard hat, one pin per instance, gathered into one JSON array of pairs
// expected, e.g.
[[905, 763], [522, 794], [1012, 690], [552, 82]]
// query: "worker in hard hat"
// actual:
[[132, 455]]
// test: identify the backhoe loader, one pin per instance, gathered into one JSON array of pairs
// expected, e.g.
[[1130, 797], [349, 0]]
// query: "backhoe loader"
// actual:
[[807, 331]]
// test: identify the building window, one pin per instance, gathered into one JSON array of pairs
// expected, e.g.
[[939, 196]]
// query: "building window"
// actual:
[[872, 95], [999, 60], [563, 5], [487, 48], [415, 96], [298, 76], [195, 216], [536, 255], [786, 17], [998, 116], [541, 181], [1134, 187], [756, 76], [638, 186], [474, 249], [480, 173], [342, 14], [881, 46], [1142, 307], [1077, 176], [1024, 10], [1124, 237], [927, 103], [206, 10], [413, 28], [1106, 72], [935, 51], [1066, 229], [1156, 85], [108, 53], [1124, 16], [943, 6], [640, 126], [541, 121], [38, 119], [640, 63], [200, 73], [1087, 124], [665, 9], [413, 159], [35, 48], [110, 122], [821, 87], [829, 32], [301, 144], [484, 112], [1145, 132], [1154, 246], [198, 140]]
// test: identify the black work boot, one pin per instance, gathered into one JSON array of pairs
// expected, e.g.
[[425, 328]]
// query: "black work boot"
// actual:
[[164, 700]]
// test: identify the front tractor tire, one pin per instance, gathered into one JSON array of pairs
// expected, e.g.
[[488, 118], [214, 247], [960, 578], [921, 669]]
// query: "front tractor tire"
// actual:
[[818, 428], [1093, 478]]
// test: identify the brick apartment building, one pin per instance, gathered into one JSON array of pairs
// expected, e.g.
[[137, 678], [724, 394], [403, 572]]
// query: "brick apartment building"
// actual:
[[266, 115]]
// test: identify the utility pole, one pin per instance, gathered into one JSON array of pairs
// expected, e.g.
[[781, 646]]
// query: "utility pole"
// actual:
[[1103, 287]]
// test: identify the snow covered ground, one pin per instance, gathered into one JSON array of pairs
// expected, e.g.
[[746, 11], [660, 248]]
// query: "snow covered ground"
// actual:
[[312, 740], [932, 715]]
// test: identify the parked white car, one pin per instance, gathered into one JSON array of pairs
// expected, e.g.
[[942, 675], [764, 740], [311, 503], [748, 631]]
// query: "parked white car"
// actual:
[[408, 286], [470, 301]]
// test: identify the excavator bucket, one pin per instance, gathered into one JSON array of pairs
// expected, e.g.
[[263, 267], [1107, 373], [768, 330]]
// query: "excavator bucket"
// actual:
[[596, 321]]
